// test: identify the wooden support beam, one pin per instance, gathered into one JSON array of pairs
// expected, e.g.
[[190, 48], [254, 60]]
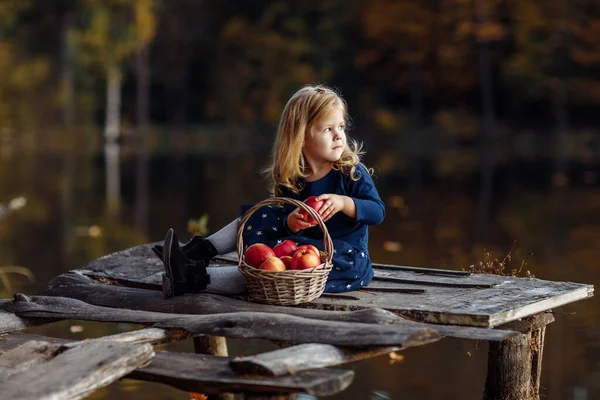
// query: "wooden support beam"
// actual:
[[515, 365], [215, 346]]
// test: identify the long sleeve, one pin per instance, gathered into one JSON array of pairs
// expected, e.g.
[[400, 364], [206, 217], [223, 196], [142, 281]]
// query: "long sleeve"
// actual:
[[370, 209]]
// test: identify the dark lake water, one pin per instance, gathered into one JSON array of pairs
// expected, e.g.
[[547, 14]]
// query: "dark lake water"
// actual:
[[434, 219]]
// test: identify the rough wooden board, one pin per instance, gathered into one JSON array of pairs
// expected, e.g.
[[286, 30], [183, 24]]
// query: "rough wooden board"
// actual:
[[10, 322], [212, 374], [511, 298], [77, 372], [280, 327], [90, 291], [204, 373], [25, 356], [294, 359], [141, 336]]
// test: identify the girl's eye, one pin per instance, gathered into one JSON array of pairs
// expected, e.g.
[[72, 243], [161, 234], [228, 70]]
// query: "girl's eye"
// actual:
[[327, 130]]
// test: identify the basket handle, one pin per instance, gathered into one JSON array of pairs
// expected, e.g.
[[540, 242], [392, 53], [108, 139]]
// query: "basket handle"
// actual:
[[327, 242]]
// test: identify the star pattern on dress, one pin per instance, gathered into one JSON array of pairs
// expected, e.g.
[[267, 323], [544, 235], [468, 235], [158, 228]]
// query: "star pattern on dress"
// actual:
[[337, 268], [334, 251], [362, 283], [279, 241], [275, 228], [348, 286], [264, 215], [258, 233], [249, 228], [351, 262], [349, 250], [363, 255]]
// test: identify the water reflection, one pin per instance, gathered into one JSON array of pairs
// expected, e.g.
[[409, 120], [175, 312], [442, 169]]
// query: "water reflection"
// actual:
[[79, 208]]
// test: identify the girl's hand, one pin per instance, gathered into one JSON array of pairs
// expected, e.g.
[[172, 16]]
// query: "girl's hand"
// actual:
[[295, 221], [333, 204]]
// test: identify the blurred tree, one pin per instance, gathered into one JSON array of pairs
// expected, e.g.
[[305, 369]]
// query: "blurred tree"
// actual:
[[112, 31], [145, 23], [399, 41], [538, 68]]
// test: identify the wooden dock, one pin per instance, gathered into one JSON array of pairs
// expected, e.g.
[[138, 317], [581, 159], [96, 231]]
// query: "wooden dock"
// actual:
[[403, 307]]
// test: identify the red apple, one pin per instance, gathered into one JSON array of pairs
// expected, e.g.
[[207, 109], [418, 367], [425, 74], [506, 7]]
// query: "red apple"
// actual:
[[305, 258], [312, 202], [309, 247], [287, 260], [273, 264], [285, 248], [256, 254]]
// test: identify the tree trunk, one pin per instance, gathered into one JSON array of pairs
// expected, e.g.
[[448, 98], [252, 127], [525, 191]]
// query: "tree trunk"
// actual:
[[113, 102], [111, 134], [68, 116], [142, 197], [416, 101], [487, 161]]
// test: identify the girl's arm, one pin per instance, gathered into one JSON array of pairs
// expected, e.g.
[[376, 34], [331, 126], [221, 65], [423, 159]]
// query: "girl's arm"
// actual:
[[362, 202], [370, 209]]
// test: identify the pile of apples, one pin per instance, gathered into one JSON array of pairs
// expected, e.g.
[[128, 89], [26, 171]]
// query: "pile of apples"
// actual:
[[284, 256]]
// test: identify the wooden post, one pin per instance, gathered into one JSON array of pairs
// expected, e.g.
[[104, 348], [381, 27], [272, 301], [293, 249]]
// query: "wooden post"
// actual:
[[216, 346], [515, 365]]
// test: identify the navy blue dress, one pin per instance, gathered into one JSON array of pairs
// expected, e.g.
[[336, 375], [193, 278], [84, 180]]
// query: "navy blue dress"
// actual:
[[352, 267]]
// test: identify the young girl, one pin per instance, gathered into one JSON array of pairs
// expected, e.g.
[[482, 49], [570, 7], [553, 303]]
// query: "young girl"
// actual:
[[312, 156]]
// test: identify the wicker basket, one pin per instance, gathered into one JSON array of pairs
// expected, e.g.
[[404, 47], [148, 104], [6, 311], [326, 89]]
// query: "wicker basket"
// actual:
[[285, 287]]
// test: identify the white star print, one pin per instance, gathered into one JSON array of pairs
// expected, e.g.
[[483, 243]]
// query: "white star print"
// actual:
[[275, 228], [279, 241], [348, 286], [334, 250], [337, 268], [249, 227], [264, 215], [351, 262], [362, 283], [258, 233], [362, 254], [349, 250]]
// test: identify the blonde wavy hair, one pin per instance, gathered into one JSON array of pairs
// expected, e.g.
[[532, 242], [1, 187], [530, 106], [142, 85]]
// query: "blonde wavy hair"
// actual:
[[306, 107]]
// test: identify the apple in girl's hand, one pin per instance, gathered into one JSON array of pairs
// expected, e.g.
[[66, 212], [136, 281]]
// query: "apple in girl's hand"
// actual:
[[312, 202], [309, 247], [273, 264], [285, 248], [305, 258], [256, 254], [287, 261]]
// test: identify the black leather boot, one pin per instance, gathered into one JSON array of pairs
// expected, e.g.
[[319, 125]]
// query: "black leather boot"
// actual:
[[182, 274], [198, 249]]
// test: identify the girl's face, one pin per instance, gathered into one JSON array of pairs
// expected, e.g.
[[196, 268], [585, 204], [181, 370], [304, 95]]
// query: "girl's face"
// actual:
[[326, 140]]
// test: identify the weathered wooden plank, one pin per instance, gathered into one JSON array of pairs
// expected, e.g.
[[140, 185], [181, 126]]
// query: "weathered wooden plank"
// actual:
[[141, 336], [294, 359], [212, 374], [271, 326], [81, 287], [419, 270], [509, 299], [25, 356], [77, 372], [10, 322]]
